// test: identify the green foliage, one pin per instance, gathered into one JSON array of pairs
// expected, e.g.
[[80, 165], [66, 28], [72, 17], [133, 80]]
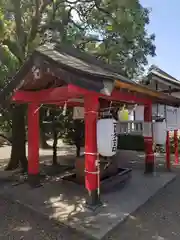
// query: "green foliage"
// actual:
[[121, 27], [172, 148], [131, 142], [114, 31], [6, 123]]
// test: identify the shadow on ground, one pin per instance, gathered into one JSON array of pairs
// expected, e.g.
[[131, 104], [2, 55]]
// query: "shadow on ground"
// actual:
[[65, 199]]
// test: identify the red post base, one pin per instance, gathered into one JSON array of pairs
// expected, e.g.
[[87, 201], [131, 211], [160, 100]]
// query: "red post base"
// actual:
[[168, 160], [148, 139], [176, 147], [33, 144], [91, 104], [149, 158]]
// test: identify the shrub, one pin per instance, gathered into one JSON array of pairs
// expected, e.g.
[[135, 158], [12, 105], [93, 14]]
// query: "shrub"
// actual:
[[131, 142], [172, 149]]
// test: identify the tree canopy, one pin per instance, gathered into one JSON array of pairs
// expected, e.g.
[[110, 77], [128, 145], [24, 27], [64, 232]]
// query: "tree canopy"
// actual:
[[114, 31]]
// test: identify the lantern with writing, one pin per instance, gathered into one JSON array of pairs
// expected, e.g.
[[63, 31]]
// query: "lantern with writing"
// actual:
[[107, 137]]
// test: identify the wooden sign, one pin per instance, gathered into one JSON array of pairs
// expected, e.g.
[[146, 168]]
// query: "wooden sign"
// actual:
[[78, 113], [171, 118]]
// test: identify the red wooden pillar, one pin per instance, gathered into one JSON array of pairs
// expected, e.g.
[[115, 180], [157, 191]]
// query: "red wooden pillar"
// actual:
[[33, 144], [176, 146], [168, 157], [91, 105], [148, 139]]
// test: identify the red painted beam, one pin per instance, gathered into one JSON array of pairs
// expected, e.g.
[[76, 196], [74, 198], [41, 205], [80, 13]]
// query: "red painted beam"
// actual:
[[129, 98], [69, 104], [115, 96], [47, 95], [71, 91]]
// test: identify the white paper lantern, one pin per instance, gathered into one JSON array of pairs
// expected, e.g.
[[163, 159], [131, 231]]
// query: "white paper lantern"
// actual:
[[159, 132], [139, 113], [107, 137], [172, 118], [131, 115]]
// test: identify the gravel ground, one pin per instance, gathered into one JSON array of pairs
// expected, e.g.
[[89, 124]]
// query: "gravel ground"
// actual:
[[158, 219], [19, 223]]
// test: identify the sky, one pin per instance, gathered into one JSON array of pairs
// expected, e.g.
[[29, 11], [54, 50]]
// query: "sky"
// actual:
[[165, 23]]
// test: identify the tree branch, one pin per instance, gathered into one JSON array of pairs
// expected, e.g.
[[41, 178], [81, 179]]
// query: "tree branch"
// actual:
[[18, 18], [3, 58], [15, 49], [40, 8], [52, 22], [88, 40], [97, 4], [19, 27]]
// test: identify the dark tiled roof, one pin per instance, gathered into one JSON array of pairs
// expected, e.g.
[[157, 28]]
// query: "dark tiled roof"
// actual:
[[74, 70], [160, 71], [163, 76], [90, 59], [74, 59], [74, 67]]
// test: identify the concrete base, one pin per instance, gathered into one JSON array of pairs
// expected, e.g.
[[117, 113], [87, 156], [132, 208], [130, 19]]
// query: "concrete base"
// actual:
[[64, 202]]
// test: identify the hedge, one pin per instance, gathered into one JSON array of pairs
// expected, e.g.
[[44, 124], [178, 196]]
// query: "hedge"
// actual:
[[131, 142], [136, 143]]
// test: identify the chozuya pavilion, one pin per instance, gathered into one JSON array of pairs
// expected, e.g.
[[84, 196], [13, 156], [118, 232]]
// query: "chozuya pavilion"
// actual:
[[62, 74]]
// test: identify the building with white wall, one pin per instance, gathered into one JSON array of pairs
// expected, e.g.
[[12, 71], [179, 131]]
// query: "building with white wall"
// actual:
[[159, 80]]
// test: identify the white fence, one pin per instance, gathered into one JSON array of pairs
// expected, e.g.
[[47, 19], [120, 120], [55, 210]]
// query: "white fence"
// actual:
[[130, 127]]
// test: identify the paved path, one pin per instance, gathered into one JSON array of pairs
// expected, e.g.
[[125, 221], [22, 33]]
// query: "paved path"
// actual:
[[159, 219]]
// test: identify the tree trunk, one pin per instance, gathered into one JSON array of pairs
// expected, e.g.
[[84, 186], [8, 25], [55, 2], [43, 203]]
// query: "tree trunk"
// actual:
[[55, 136], [18, 150], [78, 136], [43, 138]]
